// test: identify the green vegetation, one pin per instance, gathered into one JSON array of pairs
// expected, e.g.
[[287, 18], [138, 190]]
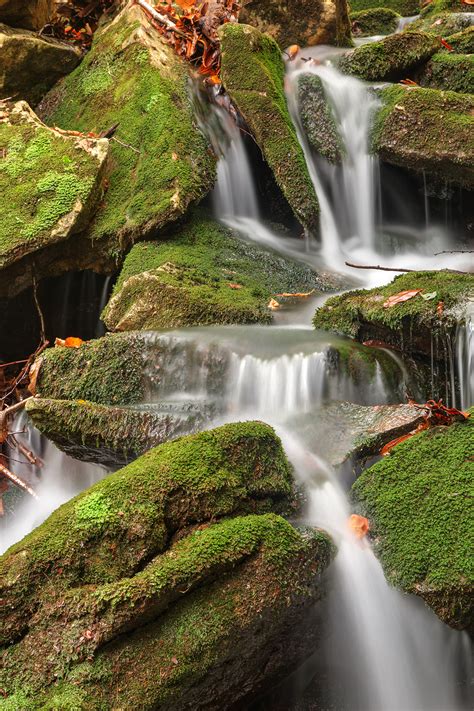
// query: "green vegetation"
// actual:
[[252, 73], [160, 161], [317, 119], [108, 370], [390, 59], [462, 42], [42, 177], [444, 146], [418, 501], [374, 21], [449, 71], [202, 274], [405, 8]]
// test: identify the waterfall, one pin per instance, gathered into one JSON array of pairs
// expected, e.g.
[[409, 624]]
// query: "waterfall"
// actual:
[[464, 345]]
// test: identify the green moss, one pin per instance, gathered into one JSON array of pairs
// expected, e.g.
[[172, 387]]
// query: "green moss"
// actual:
[[444, 145], [374, 21], [160, 161], [418, 500], [405, 8], [110, 530], [358, 313], [449, 71], [318, 120], [202, 274], [391, 58], [442, 24], [108, 370], [462, 42], [42, 175], [253, 73]]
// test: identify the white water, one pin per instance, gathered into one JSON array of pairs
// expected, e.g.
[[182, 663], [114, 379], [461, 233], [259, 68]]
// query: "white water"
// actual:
[[465, 362]]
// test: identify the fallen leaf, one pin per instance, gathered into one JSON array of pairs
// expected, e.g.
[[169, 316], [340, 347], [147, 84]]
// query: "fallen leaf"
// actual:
[[359, 525], [234, 286], [273, 304], [428, 297], [439, 308], [292, 51], [400, 297], [408, 82], [296, 295], [174, 660], [69, 342], [446, 44], [34, 370]]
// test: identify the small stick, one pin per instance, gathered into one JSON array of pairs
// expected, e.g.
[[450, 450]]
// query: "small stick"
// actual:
[[394, 269], [19, 482], [455, 251], [125, 145], [38, 308], [159, 17]]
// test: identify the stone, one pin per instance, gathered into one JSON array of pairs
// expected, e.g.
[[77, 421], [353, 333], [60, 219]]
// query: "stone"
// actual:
[[306, 23], [419, 503], [318, 120], [405, 8], [427, 130], [449, 72], [253, 74], [374, 21], [30, 64], [28, 14]]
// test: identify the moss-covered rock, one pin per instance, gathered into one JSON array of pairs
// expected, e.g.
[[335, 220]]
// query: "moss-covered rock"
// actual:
[[411, 325], [448, 71], [405, 8], [201, 275], [419, 503], [50, 186], [390, 59], [160, 160], [116, 576], [110, 436], [462, 42], [307, 22], [374, 21], [318, 120], [108, 370], [442, 24], [30, 64], [252, 73], [30, 14], [427, 130]]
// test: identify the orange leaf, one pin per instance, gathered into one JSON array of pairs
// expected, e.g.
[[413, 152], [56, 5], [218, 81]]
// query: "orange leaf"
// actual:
[[297, 295], [446, 44], [359, 525], [400, 297], [408, 82], [69, 342], [234, 286], [439, 308], [292, 51], [273, 304], [386, 449]]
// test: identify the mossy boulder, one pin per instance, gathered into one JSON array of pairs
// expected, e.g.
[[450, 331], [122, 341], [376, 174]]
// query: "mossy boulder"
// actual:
[[390, 59], [203, 274], [116, 576], [108, 370], [411, 326], [303, 22], [462, 42], [427, 130], [443, 24], [374, 21], [419, 504], [30, 64], [160, 161], [448, 71], [405, 8], [30, 14], [318, 119], [50, 186], [253, 73]]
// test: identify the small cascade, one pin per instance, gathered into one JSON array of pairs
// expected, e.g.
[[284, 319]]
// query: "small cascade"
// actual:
[[464, 355], [104, 297]]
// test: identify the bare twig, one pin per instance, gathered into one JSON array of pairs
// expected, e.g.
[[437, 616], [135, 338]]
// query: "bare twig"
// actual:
[[455, 251], [38, 308], [399, 269], [158, 17], [16, 480], [125, 145]]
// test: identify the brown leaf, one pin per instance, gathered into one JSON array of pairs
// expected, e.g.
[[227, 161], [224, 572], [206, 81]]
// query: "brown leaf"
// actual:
[[400, 297], [234, 286], [440, 308], [34, 371], [273, 304]]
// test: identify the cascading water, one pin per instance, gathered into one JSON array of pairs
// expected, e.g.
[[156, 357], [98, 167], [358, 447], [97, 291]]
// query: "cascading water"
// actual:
[[465, 362]]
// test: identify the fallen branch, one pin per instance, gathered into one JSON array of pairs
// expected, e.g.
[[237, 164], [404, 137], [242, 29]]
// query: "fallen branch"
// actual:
[[40, 313], [19, 482], [399, 269], [158, 17], [455, 251]]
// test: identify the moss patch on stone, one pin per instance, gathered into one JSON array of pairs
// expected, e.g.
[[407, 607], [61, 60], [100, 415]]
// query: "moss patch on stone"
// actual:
[[405, 8], [318, 119], [418, 500], [203, 274], [108, 370], [462, 42], [374, 21], [407, 325], [253, 73], [427, 129], [160, 161], [449, 71], [390, 59]]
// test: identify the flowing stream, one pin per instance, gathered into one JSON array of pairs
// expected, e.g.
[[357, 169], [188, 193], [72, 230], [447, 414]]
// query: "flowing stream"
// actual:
[[385, 650]]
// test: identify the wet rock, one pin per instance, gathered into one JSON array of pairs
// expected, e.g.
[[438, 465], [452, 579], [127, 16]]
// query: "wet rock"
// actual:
[[30, 65], [418, 502], [154, 610], [405, 8], [202, 274], [306, 23], [374, 21], [29, 14], [50, 186], [448, 71], [443, 24], [253, 73], [112, 436], [411, 326], [318, 120], [160, 162], [390, 59], [427, 130], [462, 42]]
